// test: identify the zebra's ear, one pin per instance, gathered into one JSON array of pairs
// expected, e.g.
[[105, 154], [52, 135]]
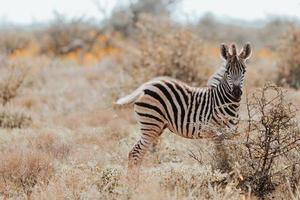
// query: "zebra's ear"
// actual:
[[245, 52], [224, 51]]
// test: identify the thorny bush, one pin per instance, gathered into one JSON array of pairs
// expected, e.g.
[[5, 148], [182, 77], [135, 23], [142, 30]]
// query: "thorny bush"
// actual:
[[272, 138], [262, 153]]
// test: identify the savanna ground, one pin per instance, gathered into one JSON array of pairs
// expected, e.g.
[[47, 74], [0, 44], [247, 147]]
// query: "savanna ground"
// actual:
[[60, 138]]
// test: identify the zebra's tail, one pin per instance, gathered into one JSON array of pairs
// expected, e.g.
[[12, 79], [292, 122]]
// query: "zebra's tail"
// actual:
[[129, 99]]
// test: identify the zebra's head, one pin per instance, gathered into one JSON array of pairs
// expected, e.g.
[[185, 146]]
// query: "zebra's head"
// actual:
[[235, 67]]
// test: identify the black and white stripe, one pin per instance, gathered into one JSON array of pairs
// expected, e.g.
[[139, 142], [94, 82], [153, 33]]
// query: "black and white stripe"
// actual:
[[168, 103]]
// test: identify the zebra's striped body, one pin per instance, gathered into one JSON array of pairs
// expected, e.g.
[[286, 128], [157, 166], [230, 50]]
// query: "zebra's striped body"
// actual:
[[168, 103]]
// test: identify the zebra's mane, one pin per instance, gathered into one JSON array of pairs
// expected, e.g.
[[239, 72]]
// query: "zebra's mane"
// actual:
[[216, 78]]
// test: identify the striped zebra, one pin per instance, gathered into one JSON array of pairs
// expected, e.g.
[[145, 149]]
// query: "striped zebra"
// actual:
[[169, 103]]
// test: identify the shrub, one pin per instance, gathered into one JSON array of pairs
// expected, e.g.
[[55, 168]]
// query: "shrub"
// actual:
[[289, 63], [10, 82], [272, 135], [12, 41], [64, 36], [264, 152], [52, 144], [272, 139], [123, 17], [22, 169], [166, 49], [14, 119]]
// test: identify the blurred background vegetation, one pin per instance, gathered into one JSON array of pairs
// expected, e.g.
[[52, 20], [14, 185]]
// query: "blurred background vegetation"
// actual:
[[61, 139], [153, 42]]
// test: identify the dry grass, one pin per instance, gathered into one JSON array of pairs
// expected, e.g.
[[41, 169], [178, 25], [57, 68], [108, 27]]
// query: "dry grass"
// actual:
[[86, 144], [178, 52], [14, 119], [13, 41], [11, 80], [60, 138], [289, 64], [21, 169]]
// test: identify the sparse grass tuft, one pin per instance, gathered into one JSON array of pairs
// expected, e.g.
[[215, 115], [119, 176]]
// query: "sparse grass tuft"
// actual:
[[51, 144], [110, 181], [11, 81], [201, 182], [14, 119]]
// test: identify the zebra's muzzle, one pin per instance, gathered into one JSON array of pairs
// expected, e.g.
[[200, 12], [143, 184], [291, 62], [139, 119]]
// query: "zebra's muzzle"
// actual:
[[237, 92]]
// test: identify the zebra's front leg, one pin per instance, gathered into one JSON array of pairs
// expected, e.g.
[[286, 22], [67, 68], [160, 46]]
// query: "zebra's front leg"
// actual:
[[137, 153]]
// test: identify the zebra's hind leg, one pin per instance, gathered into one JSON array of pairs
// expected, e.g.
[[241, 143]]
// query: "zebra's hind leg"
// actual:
[[135, 157]]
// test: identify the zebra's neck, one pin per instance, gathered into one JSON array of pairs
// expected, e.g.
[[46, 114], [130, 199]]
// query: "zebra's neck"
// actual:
[[226, 106], [217, 77]]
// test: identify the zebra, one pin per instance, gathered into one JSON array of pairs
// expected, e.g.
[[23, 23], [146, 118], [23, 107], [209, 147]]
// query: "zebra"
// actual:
[[165, 102]]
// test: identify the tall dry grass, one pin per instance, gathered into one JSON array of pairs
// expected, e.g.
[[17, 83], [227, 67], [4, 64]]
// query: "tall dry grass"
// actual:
[[289, 63], [72, 145]]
